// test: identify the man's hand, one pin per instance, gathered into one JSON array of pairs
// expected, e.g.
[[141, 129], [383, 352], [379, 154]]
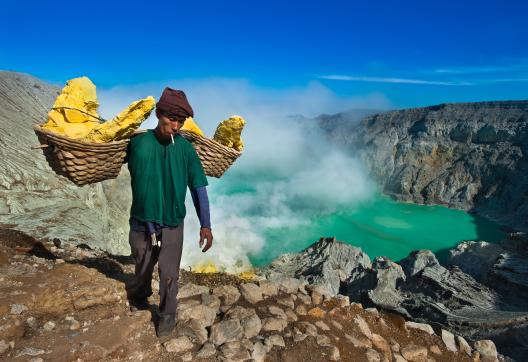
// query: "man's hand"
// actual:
[[207, 236]]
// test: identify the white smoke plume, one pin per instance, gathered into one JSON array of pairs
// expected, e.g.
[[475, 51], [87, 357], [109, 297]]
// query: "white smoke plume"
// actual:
[[287, 175]]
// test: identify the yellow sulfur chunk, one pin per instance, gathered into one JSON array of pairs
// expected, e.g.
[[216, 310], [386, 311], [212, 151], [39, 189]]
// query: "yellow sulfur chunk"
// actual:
[[124, 124], [191, 126], [228, 132], [248, 275], [205, 267], [79, 93]]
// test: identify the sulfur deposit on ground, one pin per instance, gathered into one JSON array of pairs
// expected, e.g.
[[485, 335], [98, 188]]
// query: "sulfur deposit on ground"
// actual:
[[64, 303]]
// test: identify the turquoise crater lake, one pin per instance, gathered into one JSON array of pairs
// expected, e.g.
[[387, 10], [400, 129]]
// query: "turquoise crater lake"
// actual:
[[379, 225]]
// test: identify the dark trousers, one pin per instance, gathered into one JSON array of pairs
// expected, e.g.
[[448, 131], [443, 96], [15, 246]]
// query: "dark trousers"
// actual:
[[168, 257]]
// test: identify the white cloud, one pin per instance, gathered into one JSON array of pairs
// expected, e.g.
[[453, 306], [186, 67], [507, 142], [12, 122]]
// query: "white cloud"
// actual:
[[507, 66], [394, 80]]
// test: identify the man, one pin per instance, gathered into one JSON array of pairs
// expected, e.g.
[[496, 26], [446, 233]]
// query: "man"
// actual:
[[162, 165]]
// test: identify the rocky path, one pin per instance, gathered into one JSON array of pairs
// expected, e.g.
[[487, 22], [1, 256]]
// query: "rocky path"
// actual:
[[65, 303]]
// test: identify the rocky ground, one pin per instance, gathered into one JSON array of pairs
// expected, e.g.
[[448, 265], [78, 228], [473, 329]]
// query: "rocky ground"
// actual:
[[66, 303], [480, 293]]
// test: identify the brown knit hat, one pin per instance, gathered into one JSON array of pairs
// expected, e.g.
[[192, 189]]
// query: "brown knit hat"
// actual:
[[174, 102]]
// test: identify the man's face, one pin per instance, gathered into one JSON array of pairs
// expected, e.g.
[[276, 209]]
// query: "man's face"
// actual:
[[167, 124]]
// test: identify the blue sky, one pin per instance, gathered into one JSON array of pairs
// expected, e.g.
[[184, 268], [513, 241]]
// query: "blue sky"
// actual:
[[413, 53]]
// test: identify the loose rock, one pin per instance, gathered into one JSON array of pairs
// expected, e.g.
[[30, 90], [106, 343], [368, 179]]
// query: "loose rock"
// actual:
[[463, 345], [259, 352], [301, 310], [421, 326], [179, 344], [277, 311], [317, 312], [234, 351], [226, 331], [361, 342], [372, 355], [193, 329], [207, 350], [211, 301], [251, 325], [49, 326], [322, 325], [287, 302], [274, 324], [449, 340], [18, 309], [228, 294], [268, 288], [414, 353], [323, 340], [363, 326], [251, 292], [435, 349], [337, 324], [307, 328], [290, 315], [380, 343], [200, 312], [334, 353], [190, 290], [486, 348], [274, 340], [289, 285]]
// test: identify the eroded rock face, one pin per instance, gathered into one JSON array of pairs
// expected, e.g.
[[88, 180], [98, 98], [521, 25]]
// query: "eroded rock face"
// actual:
[[32, 197], [503, 266], [467, 155], [328, 263]]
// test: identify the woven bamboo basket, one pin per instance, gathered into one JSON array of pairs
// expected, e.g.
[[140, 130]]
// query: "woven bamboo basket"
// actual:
[[86, 163], [216, 158], [82, 162]]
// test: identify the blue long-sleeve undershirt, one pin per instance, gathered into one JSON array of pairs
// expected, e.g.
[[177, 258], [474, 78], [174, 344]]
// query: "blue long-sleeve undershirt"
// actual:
[[201, 204]]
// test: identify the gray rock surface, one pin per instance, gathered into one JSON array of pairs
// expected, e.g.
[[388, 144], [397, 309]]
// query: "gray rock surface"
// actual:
[[37, 201], [328, 263], [467, 155], [424, 291], [503, 266]]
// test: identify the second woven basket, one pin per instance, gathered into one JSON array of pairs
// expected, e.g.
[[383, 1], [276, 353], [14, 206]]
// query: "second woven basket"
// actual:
[[216, 158]]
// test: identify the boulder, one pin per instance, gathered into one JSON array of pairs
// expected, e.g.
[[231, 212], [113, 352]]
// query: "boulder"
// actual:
[[191, 290], [327, 262], [226, 331], [251, 292], [177, 345], [228, 294], [414, 353]]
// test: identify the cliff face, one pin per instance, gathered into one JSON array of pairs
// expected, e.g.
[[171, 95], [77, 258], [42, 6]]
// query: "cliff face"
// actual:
[[469, 155], [32, 197]]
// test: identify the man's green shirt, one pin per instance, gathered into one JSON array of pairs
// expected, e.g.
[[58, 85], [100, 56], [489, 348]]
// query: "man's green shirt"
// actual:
[[160, 174]]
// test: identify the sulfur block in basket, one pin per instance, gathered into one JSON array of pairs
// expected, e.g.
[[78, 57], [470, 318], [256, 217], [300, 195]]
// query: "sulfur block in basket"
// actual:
[[228, 133], [74, 115], [80, 94], [124, 124], [191, 126]]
